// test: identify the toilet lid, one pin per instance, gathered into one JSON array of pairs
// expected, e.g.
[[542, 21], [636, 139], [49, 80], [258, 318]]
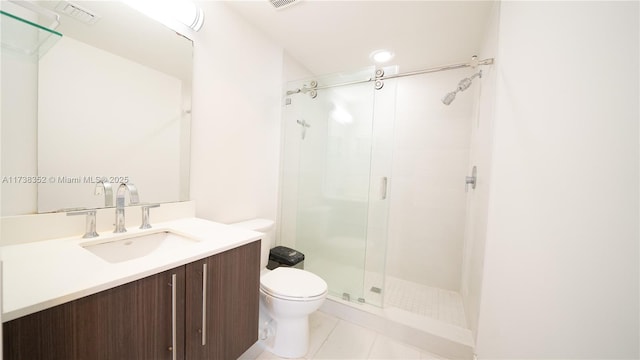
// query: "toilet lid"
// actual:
[[286, 282]]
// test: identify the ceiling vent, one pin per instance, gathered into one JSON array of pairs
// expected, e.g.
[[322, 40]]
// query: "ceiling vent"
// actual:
[[281, 4], [77, 12]]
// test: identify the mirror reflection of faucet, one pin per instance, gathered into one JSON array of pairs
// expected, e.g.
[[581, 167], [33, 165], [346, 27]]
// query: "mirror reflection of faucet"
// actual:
[[133, 199], [104, 187]]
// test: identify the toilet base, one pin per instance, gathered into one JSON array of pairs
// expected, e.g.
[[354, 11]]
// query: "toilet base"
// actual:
[[291, 337]]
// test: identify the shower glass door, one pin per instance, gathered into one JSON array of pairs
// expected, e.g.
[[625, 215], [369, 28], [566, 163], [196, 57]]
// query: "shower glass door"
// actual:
[[327, 157]]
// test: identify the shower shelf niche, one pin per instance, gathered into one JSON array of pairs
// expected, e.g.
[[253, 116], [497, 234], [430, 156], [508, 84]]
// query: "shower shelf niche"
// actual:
[[24, 37]]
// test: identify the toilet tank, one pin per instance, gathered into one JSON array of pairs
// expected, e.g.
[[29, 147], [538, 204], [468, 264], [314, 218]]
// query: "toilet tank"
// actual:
[[266, 227]]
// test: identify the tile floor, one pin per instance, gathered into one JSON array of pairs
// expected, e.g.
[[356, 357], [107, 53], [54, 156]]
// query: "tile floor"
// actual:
[[332, 338], [439, 304]]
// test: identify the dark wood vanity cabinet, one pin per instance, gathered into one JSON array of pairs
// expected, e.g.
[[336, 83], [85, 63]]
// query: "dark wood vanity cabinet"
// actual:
[[152, 318], [228, 324], [131, 321]]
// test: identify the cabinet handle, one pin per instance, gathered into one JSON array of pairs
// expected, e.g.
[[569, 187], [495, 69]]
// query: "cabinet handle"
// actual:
[[204, 304], [173, 317]]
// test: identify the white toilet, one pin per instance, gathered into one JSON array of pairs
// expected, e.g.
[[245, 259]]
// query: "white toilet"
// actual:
[[287, 297]]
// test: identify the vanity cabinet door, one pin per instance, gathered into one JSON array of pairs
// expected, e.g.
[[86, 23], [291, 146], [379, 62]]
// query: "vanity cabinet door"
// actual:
[[228, 323], [132, 321]]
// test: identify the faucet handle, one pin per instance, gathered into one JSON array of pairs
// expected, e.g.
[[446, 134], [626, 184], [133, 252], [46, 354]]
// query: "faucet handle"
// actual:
[[145, 215], [90, 228]]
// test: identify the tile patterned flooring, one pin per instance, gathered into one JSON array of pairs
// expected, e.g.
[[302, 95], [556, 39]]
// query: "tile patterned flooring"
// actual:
[[439, 304], [421, 300], [332, 338]]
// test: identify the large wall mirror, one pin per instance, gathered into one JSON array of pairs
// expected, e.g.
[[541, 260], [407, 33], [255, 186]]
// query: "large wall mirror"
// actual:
[[113, 102]]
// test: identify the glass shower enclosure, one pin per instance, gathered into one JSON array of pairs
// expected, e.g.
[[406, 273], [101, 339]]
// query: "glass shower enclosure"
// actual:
[[335, 180]]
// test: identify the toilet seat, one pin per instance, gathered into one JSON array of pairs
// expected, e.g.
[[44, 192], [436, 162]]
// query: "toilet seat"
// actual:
[[293, 284]]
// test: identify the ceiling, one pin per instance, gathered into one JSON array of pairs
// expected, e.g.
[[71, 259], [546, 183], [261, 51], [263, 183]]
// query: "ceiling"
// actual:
[[334, 36]]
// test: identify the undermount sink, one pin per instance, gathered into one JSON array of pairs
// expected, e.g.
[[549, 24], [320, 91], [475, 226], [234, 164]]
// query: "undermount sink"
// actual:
[[137, 246]]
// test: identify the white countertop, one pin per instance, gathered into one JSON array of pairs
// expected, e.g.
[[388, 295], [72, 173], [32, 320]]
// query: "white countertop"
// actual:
[[43, 274]]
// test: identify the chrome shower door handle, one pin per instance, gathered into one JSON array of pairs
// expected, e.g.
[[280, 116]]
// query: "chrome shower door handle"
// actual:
[[471, 180], [383, 187]]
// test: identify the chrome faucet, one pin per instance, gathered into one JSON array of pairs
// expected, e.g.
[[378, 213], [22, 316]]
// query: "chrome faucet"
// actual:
[[133, 199], [104, 187]]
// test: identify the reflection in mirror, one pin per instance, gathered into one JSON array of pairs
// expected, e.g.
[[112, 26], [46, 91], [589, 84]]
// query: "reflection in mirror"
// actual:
[[113, 100]]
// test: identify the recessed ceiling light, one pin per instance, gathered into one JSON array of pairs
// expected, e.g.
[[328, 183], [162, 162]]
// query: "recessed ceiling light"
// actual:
[[381, 56]]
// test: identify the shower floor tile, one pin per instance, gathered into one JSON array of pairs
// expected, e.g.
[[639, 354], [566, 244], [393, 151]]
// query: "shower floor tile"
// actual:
[[439, 304]]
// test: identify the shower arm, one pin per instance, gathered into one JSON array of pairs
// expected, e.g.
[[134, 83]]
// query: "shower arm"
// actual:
[[478, 74]]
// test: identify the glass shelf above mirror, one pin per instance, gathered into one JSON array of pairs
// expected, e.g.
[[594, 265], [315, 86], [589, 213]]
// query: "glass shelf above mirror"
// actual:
[[24, 37]]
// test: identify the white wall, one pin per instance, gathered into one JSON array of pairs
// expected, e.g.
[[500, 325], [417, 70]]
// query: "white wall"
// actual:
[[561, 263], [236, 118]]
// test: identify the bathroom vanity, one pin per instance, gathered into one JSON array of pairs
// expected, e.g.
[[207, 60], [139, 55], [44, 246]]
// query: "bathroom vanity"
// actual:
[[194, 301]]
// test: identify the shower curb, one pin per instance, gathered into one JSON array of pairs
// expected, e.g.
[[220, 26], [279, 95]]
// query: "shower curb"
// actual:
[[448, 341]]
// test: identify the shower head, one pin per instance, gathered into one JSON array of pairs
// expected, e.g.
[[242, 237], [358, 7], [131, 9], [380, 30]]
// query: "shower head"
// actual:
[[448, 99], [462, 86]]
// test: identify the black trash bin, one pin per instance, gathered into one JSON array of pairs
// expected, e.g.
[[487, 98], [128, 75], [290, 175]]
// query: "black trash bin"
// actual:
[[284, 256]]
